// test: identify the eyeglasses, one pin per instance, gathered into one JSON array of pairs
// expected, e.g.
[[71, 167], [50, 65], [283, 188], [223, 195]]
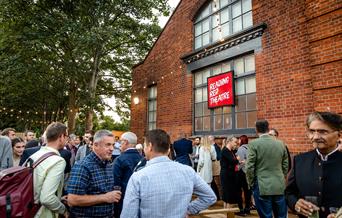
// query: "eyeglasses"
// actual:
[[319, 132]]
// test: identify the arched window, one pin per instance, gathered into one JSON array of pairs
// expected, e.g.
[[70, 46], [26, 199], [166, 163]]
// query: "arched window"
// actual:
[[219, 19]]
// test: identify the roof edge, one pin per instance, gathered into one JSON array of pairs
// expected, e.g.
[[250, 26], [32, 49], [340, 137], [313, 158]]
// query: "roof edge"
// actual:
[[155, 42]]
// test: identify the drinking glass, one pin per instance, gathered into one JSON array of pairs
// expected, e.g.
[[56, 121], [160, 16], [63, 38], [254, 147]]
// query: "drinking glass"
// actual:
[[117, 188], [313, 200]]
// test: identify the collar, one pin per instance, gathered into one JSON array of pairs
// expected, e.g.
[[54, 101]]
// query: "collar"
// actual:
[[263, 135], [131, 149], [325, 158], [158, 160], [47, 147], [98, 160]]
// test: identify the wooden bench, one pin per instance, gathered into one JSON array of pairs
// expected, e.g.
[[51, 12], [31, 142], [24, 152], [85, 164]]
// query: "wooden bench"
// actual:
[[229, 211]]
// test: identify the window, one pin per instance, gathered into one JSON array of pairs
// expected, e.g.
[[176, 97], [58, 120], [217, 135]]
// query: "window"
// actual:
[[152, 108], [221, 18], [240, 116]]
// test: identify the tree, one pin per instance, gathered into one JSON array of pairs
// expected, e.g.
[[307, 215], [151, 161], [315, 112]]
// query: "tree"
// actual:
[[86, 48]]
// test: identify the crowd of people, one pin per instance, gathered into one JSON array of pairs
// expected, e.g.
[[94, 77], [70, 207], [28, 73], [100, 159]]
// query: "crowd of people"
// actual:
[[102, 175]]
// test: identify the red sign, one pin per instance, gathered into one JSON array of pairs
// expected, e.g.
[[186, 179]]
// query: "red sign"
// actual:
[[221, 90]]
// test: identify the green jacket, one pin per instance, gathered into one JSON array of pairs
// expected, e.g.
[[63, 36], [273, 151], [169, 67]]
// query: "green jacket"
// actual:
[[267, 161]]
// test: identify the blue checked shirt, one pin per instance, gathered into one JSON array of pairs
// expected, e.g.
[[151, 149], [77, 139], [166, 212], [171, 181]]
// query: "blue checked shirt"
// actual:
[[91, 176], [163, 189]]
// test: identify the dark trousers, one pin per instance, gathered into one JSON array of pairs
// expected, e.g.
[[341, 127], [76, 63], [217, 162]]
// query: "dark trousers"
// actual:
[[215, 189], [246, 191], [266, 204]]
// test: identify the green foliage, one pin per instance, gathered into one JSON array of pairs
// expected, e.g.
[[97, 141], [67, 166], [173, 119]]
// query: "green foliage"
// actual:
[[52, 50]]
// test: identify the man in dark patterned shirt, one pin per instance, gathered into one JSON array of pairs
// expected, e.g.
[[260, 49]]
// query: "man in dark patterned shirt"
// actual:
[[91, 183]]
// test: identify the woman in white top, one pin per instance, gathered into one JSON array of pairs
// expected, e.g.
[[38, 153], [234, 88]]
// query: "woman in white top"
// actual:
[[18, 147], [207, 154]]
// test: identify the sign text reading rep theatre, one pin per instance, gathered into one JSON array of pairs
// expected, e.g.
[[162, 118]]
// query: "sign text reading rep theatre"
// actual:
[[220, 90]]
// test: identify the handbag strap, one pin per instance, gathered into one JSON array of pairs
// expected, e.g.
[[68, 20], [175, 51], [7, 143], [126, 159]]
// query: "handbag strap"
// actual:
[[42, 158]]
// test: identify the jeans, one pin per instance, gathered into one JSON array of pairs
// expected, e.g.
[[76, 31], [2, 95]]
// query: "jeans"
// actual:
[[267, 204]]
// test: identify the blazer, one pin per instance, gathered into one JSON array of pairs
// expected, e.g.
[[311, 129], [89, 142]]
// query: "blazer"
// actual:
[[183, 149], [65, 154], [311, 176], [268, 163], [48, 179]]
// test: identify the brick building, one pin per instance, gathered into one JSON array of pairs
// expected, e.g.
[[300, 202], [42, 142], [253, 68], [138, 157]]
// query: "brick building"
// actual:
[[286, 57]]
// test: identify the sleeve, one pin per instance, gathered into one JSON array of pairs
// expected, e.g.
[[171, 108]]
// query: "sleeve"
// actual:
[[117, 172], [200, 159], [131, 202], [78, 154], [205, 196], [53, 179], [79, 180], [213, 153], [289, 158], [285, 162], [291, 191], [190, 149], [67, 156], [250, 165]]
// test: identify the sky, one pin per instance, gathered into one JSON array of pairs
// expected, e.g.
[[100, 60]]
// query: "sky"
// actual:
[[162, 21]]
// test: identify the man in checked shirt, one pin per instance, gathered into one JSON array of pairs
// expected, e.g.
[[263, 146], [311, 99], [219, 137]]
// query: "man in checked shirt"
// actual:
[[91, 184], [164, 188]]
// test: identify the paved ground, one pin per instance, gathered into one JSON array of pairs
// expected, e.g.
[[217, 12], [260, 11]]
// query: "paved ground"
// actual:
[[219, 205]]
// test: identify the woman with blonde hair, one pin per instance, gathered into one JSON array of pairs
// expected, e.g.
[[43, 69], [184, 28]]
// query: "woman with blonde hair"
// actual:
[[207, 154]]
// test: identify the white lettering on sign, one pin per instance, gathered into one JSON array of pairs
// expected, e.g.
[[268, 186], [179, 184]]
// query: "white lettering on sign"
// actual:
[[219, 83], [221, 97]]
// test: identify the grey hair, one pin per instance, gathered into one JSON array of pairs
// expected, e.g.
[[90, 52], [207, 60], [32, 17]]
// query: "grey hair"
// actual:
[[72, 136], [130, 137], [99, 135], [333, 120]]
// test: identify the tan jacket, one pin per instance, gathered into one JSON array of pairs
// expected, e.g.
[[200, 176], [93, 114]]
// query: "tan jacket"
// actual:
[[48, 180]]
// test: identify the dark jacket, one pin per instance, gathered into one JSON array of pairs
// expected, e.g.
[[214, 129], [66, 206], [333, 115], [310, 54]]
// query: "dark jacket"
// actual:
[[183, 149], [124, 166], [311, 176], [63, 152]]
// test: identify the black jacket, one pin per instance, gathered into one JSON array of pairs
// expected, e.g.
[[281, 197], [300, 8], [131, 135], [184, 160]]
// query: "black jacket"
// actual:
[[311, 176]]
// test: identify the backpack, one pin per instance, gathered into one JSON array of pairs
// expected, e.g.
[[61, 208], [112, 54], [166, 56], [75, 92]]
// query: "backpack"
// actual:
[[16, 190]]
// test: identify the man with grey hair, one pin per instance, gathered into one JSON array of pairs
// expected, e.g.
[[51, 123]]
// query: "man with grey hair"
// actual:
[[124, 165], [315, 182], [91, 185]]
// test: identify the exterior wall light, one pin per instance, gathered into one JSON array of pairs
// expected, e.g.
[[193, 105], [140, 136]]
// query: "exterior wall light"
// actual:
[[136, 100]]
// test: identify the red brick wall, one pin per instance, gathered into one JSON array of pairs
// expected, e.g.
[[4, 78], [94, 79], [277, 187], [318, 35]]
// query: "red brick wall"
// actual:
[[174, 98], [298, 69]]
